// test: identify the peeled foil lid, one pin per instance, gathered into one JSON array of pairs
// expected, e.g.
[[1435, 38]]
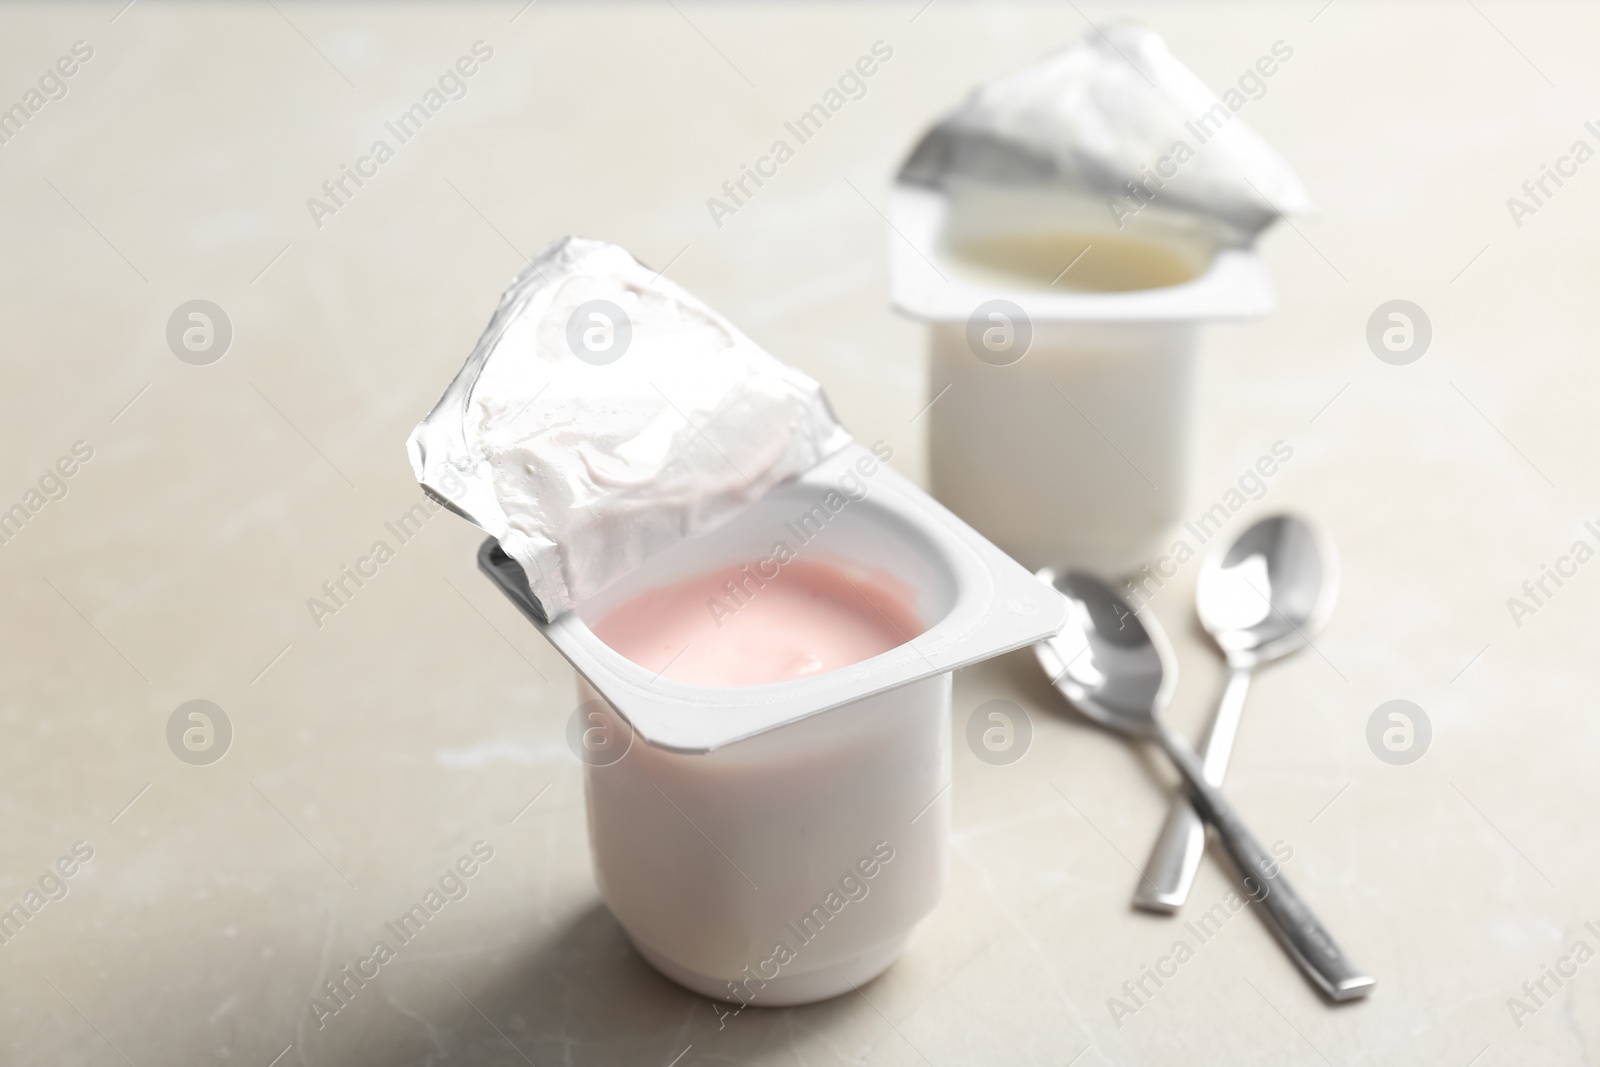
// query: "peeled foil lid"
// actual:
[[606, 414], [1103, 112]]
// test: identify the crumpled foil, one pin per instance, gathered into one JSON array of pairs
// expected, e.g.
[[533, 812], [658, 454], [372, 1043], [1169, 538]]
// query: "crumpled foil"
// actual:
[[606, 414], [1103, 112]]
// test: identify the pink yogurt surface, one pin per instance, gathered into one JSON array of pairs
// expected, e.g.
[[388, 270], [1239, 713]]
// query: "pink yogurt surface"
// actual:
[[735, 627]]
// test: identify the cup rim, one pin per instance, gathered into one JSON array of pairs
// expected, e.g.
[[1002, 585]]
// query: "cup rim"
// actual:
[[997, 607]]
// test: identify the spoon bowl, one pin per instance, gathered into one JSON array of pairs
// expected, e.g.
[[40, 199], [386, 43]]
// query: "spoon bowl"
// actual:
[[1269, 592], [1112, 667], [1261, 597]]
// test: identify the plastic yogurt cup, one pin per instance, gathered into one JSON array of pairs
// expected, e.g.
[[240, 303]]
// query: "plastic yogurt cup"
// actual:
[[1063, 422], [1066, 229], [767, 784], [778, 843]]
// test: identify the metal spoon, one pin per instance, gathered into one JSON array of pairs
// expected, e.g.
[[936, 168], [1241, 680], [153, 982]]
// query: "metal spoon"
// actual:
[[1116, 669], [1263, 597]]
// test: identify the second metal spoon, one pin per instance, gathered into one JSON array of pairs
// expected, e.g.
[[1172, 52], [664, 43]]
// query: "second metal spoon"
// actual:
[[1263, 597]]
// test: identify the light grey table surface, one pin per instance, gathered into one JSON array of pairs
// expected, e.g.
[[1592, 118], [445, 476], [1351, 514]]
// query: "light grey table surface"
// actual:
[[370, 752]]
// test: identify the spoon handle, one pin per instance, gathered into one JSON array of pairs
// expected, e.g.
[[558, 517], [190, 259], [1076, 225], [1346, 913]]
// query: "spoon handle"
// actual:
[[1170, 870], [1311, 947]]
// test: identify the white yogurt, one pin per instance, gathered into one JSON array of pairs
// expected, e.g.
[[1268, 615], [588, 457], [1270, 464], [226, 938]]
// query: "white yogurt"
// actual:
[[1066, 230]]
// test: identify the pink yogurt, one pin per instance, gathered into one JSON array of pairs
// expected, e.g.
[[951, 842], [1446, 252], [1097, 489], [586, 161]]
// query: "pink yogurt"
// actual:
[[736, 627]]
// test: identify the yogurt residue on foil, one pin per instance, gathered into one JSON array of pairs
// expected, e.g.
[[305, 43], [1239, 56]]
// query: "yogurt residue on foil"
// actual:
[[1112, 116], [606, 414]]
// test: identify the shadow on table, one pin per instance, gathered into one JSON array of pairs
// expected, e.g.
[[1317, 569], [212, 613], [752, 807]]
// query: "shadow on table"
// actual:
[[585, 998]]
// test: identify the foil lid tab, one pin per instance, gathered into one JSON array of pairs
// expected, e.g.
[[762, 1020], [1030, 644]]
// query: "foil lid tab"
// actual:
[[606, 414], [1115, 115]]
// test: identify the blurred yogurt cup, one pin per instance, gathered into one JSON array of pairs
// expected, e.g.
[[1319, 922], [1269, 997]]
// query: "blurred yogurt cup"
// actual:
[[1066, 232], [763, 844]]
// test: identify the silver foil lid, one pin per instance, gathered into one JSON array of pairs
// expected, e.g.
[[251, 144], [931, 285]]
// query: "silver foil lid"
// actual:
[[1114, 116], [606, 414]]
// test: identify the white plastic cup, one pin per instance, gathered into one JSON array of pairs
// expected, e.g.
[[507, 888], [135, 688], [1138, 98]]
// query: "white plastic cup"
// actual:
[[1070, 491], [811, 814], [1063, 423], [711, 861]]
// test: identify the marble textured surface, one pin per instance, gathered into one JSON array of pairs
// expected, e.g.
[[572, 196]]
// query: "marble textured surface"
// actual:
[[370, 752]]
